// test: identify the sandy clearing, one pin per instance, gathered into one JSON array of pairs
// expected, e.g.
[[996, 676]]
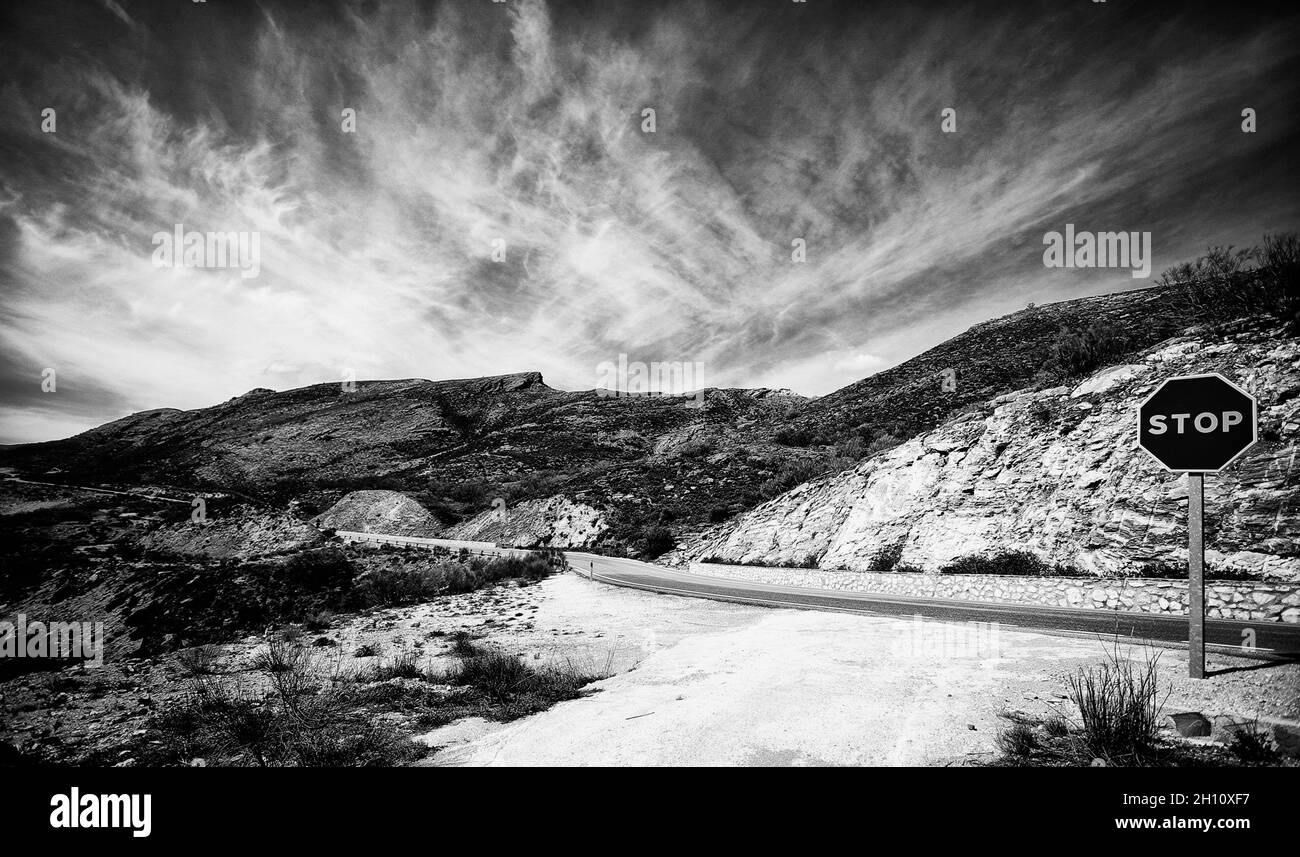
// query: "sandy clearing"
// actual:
[[720, 684]]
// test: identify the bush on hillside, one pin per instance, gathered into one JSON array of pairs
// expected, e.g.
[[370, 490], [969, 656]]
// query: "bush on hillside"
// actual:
[[799, 437], [797, 472], [1226, 284], [1010, 563], [887, 558], [658, 540], [1077, 352]]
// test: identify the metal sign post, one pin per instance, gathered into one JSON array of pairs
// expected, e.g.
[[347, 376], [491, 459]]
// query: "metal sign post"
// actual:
[[1197, 424], [1195, 575]]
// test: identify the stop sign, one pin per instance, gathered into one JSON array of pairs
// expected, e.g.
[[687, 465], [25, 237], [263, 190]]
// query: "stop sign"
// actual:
[[1197, 423]]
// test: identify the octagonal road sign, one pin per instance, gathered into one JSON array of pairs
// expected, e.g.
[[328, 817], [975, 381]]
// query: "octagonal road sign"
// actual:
[[1197, 423]]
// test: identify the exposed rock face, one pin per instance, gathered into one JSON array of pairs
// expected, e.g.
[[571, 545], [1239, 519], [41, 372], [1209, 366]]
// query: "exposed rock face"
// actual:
[[553, 522], [389, 512], [239, 536], [1057, 472]]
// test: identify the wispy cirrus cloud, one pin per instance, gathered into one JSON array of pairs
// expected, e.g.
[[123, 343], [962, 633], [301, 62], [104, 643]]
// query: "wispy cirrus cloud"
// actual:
[[521, 122]]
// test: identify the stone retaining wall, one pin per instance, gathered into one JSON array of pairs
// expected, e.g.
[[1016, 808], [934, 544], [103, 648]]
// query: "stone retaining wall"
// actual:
[[1247, 600]]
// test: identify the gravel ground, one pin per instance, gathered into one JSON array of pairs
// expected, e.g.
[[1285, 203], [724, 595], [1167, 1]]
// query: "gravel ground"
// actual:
[[720, 684], [691, 681]]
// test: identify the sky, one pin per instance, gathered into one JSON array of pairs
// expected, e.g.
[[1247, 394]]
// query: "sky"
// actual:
[[501, 206]]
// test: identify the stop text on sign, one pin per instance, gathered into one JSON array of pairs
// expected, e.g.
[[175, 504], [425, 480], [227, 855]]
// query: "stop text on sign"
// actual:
[[1205, 422], [1197, 423]]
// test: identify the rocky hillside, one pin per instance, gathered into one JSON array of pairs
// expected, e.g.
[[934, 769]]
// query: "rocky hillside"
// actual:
[[453, 446], [233, 534], [389, 512], [989, 359], [1054, 471], [553, 522]]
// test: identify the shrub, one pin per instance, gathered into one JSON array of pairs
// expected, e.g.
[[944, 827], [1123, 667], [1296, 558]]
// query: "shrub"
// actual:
[[658, 540], [463, 645], [1017, 740], [887, 558], [799, 437], [1056, 726], [795, 473], [533, 567], [1017, 563], [318, 620], [1179, 571], [394, 586], [537, 484], [297, 724], [496, 673], [1119, 707], [213, 602], [851, 448], [696, 448], [1226, 284], [1076, 352], [880, 443], [471, 493], [405, 665], [200, 660], [508, 680], [1252, 747]]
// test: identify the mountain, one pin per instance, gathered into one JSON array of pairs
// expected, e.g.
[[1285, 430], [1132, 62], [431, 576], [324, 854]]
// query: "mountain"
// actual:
[[454, 446], [652, 470], [989, 359]]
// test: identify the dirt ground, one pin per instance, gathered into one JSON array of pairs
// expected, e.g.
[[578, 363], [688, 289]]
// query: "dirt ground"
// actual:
[[692, 682]]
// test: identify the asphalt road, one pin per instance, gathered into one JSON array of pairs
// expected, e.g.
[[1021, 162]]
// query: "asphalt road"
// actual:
[[1271, 639]]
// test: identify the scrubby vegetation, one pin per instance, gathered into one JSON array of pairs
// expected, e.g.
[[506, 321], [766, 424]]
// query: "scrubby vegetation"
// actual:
[[193, 603], [1119, 704], [1117, 718], [1015, 563], [1229, 283], [656, 540], [1075, 353], [288, 714], [801, 470], [297, 710], [511, 683], [887, 558], [1225, 284]]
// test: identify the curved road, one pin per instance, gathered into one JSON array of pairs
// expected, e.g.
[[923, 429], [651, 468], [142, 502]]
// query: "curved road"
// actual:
[[1272, 639]]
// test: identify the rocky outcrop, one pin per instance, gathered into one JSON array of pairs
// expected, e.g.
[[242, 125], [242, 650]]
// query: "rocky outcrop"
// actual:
[[1057, 472], [236, 536], [553, 522], [389, 512]]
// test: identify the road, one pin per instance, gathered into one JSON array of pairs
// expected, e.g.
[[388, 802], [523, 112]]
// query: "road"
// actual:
[[1272, 639]]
